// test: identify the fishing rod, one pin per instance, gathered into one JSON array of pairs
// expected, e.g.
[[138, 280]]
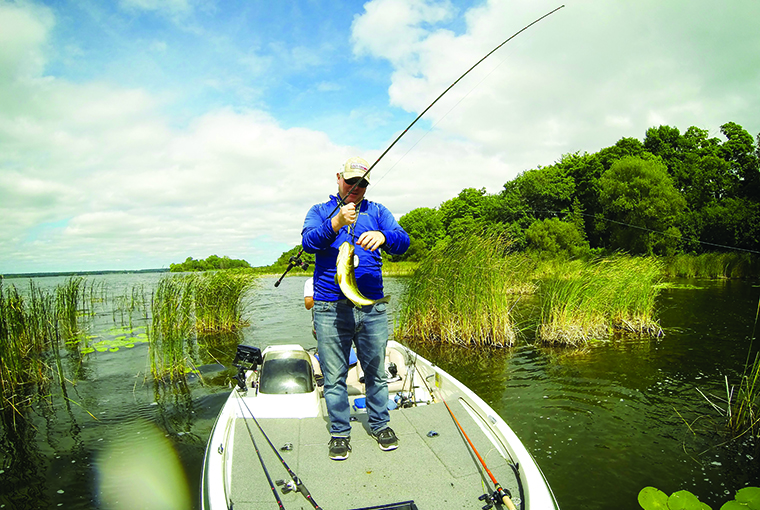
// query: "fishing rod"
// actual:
[[299, 485], [296, 261], [261, 461], [500, 493]]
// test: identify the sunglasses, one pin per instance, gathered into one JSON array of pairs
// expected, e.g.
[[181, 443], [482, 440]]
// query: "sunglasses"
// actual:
[[353, 180]]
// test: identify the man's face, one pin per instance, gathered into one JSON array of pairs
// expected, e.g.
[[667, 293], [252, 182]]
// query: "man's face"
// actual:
[[344, 187]]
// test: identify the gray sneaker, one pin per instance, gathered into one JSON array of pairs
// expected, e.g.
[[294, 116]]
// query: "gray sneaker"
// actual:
[[339, 448], [386, 439]]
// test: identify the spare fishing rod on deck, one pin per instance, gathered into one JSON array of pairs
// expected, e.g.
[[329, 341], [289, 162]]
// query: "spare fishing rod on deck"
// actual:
[[296, 261], [252, 357], [500, 495]]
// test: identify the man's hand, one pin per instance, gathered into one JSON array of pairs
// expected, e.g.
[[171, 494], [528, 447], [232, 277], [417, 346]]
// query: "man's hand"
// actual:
[[346, 216], [371, 240]]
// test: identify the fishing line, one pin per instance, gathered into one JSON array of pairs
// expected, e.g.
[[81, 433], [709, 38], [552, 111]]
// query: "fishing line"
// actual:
[[562, 213], [341, 200], [451, 109]]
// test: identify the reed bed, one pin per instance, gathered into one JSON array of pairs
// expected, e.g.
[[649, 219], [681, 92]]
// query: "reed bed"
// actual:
[[27, 333], [171, 327], [592, 300], [716, 265], [219, 299], [743, 414], [68, 299], [183, 306], [459, 295]]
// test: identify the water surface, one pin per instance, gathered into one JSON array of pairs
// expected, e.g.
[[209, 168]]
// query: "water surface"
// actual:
[[602, 422]]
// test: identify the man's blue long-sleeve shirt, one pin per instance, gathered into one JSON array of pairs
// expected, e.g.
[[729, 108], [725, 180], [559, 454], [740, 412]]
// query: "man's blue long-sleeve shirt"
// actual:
[[318, 237]]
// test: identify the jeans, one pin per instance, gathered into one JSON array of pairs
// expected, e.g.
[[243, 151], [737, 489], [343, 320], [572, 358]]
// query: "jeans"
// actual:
[[338, 325]]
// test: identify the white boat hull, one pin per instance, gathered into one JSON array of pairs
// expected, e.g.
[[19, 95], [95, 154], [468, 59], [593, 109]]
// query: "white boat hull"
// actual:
[[433, 463]]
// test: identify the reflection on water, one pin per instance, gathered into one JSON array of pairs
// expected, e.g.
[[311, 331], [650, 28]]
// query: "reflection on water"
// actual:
[[603, 421]]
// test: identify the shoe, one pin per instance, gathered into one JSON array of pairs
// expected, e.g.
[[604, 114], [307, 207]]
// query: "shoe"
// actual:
[[387, 439], [339, 448]]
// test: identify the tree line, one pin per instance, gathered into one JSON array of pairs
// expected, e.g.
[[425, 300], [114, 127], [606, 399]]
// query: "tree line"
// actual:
[[211, 263], [671, 193]]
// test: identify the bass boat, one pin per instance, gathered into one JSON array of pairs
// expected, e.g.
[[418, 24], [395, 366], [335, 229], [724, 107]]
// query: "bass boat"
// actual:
[[268, 448]]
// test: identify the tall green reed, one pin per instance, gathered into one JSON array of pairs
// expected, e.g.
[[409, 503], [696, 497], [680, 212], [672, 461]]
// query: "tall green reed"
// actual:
[[714, 265], [743, 414], [460, 295], [219, 299], [69, 297], [585, 301], [27, 334], [185, 305], [171, 327]]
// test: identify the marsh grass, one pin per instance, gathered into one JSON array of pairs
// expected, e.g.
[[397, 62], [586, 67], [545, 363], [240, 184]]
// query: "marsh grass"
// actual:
[[184, 305], [743, 414], [171, 327], [716, 265], [219, 299], [586, 301], [69, 297], [28, 331], [459, 295]]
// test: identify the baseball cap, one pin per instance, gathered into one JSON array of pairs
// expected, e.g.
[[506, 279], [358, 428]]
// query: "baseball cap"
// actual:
[[355, 167]]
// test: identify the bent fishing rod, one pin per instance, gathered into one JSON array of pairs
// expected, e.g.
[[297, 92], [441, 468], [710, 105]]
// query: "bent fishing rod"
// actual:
[[296, 260], [299, 485], [500, 494]]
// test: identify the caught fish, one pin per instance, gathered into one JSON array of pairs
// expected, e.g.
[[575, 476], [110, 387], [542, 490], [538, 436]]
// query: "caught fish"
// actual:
[[345, 277]]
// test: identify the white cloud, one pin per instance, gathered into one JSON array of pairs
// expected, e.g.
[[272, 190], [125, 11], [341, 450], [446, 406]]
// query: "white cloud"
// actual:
[[95, 175], [23, 35]]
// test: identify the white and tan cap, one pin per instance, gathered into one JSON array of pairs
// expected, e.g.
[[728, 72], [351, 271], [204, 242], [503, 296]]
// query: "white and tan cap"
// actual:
[[355, 167]]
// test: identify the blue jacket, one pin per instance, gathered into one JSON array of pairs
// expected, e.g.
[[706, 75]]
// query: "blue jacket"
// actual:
[[318, 237]]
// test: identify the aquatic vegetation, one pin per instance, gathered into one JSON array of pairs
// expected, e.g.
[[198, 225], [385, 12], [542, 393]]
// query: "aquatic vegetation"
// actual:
[[460, 295], [714, 265], [588, 301], [219, 299], [27, 332], [172, 324], [651, 498], [184, 305], [68, 299]]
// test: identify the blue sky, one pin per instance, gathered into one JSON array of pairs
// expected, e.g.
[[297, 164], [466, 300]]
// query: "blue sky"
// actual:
[[136, 133]]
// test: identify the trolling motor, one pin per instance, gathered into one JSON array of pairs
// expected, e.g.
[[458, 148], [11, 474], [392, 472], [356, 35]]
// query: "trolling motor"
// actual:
[[246, 358], [295, 261]]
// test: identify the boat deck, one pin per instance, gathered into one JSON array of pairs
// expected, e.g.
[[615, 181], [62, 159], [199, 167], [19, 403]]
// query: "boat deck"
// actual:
[[434, 472]]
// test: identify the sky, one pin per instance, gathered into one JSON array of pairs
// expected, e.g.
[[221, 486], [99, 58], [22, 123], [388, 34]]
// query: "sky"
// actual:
[[137, 133]]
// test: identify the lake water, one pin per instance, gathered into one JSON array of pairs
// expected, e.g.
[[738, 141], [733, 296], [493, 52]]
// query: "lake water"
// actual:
[[603, 422]]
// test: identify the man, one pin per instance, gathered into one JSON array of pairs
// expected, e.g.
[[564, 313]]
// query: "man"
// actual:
[[338, 322]]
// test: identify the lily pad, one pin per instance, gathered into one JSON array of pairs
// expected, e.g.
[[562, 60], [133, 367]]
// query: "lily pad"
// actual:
[[651, 498], [684, 500], [750, 496]]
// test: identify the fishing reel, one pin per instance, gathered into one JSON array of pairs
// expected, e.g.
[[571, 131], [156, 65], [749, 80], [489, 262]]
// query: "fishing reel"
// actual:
[[246, 358], [297, 262], [294, 261], [497, 498]]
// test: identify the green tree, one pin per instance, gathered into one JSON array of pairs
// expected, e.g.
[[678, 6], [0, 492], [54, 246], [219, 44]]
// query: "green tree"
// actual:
[[556, 237], [639, 196], [424, 226]]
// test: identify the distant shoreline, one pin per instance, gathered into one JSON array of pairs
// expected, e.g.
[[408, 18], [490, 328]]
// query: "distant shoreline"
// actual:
[[81, 273]]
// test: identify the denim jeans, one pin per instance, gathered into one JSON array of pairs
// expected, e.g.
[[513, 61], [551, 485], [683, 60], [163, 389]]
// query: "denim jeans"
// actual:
[[338, 325]]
